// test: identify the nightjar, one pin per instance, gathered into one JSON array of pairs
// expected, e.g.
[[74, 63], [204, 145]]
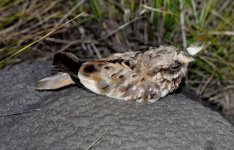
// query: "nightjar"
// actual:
[[143, 76]]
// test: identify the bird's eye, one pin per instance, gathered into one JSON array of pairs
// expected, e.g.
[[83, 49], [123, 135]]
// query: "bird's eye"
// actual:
[[175, 66]]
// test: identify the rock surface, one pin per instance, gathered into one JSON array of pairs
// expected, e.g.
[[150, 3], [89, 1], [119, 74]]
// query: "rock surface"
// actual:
[[74, 119]]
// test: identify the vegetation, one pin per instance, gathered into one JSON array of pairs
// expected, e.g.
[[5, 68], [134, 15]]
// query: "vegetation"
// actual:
[[110, 26]]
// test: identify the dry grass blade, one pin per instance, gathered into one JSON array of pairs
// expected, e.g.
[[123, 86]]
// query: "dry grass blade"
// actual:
[[96, 51], [97, 140], [120, 28], [230, 33], [221, 17], [194, 10], [158, 10], [206, 84], [43, 37], [182, 24], [71, 11]]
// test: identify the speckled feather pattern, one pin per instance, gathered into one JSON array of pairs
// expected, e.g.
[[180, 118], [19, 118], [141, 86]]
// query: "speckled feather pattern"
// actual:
[[143, 76], [140, 76]]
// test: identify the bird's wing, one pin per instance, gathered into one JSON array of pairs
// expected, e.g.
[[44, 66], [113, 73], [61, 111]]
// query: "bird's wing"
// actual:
[[111, 76]]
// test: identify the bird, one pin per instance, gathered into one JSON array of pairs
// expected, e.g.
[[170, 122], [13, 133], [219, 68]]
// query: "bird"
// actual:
[[141, 76]]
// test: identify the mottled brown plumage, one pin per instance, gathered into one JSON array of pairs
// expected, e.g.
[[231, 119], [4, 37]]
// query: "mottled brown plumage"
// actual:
[[141, 76]]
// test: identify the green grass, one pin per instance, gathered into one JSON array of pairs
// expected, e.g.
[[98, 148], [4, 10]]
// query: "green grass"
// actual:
[[23, 22]]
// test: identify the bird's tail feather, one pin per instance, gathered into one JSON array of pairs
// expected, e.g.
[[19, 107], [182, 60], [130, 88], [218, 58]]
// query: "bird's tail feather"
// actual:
[[68, 65], [54, 82]]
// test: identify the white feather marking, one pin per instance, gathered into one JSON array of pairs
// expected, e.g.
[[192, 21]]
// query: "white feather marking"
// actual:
[[134, 88], [113, 96], [139, 100], [88, 83], [164, 93], [152, 100], [193, 50]]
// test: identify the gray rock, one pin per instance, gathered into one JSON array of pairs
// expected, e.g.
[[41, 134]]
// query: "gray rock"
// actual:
[[73, 118]]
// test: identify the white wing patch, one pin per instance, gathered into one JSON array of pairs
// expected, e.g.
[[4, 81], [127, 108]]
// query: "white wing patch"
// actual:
[[193, 50], [89, 83]]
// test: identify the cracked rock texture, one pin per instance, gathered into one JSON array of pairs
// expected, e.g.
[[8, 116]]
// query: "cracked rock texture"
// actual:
[[73, 118]]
